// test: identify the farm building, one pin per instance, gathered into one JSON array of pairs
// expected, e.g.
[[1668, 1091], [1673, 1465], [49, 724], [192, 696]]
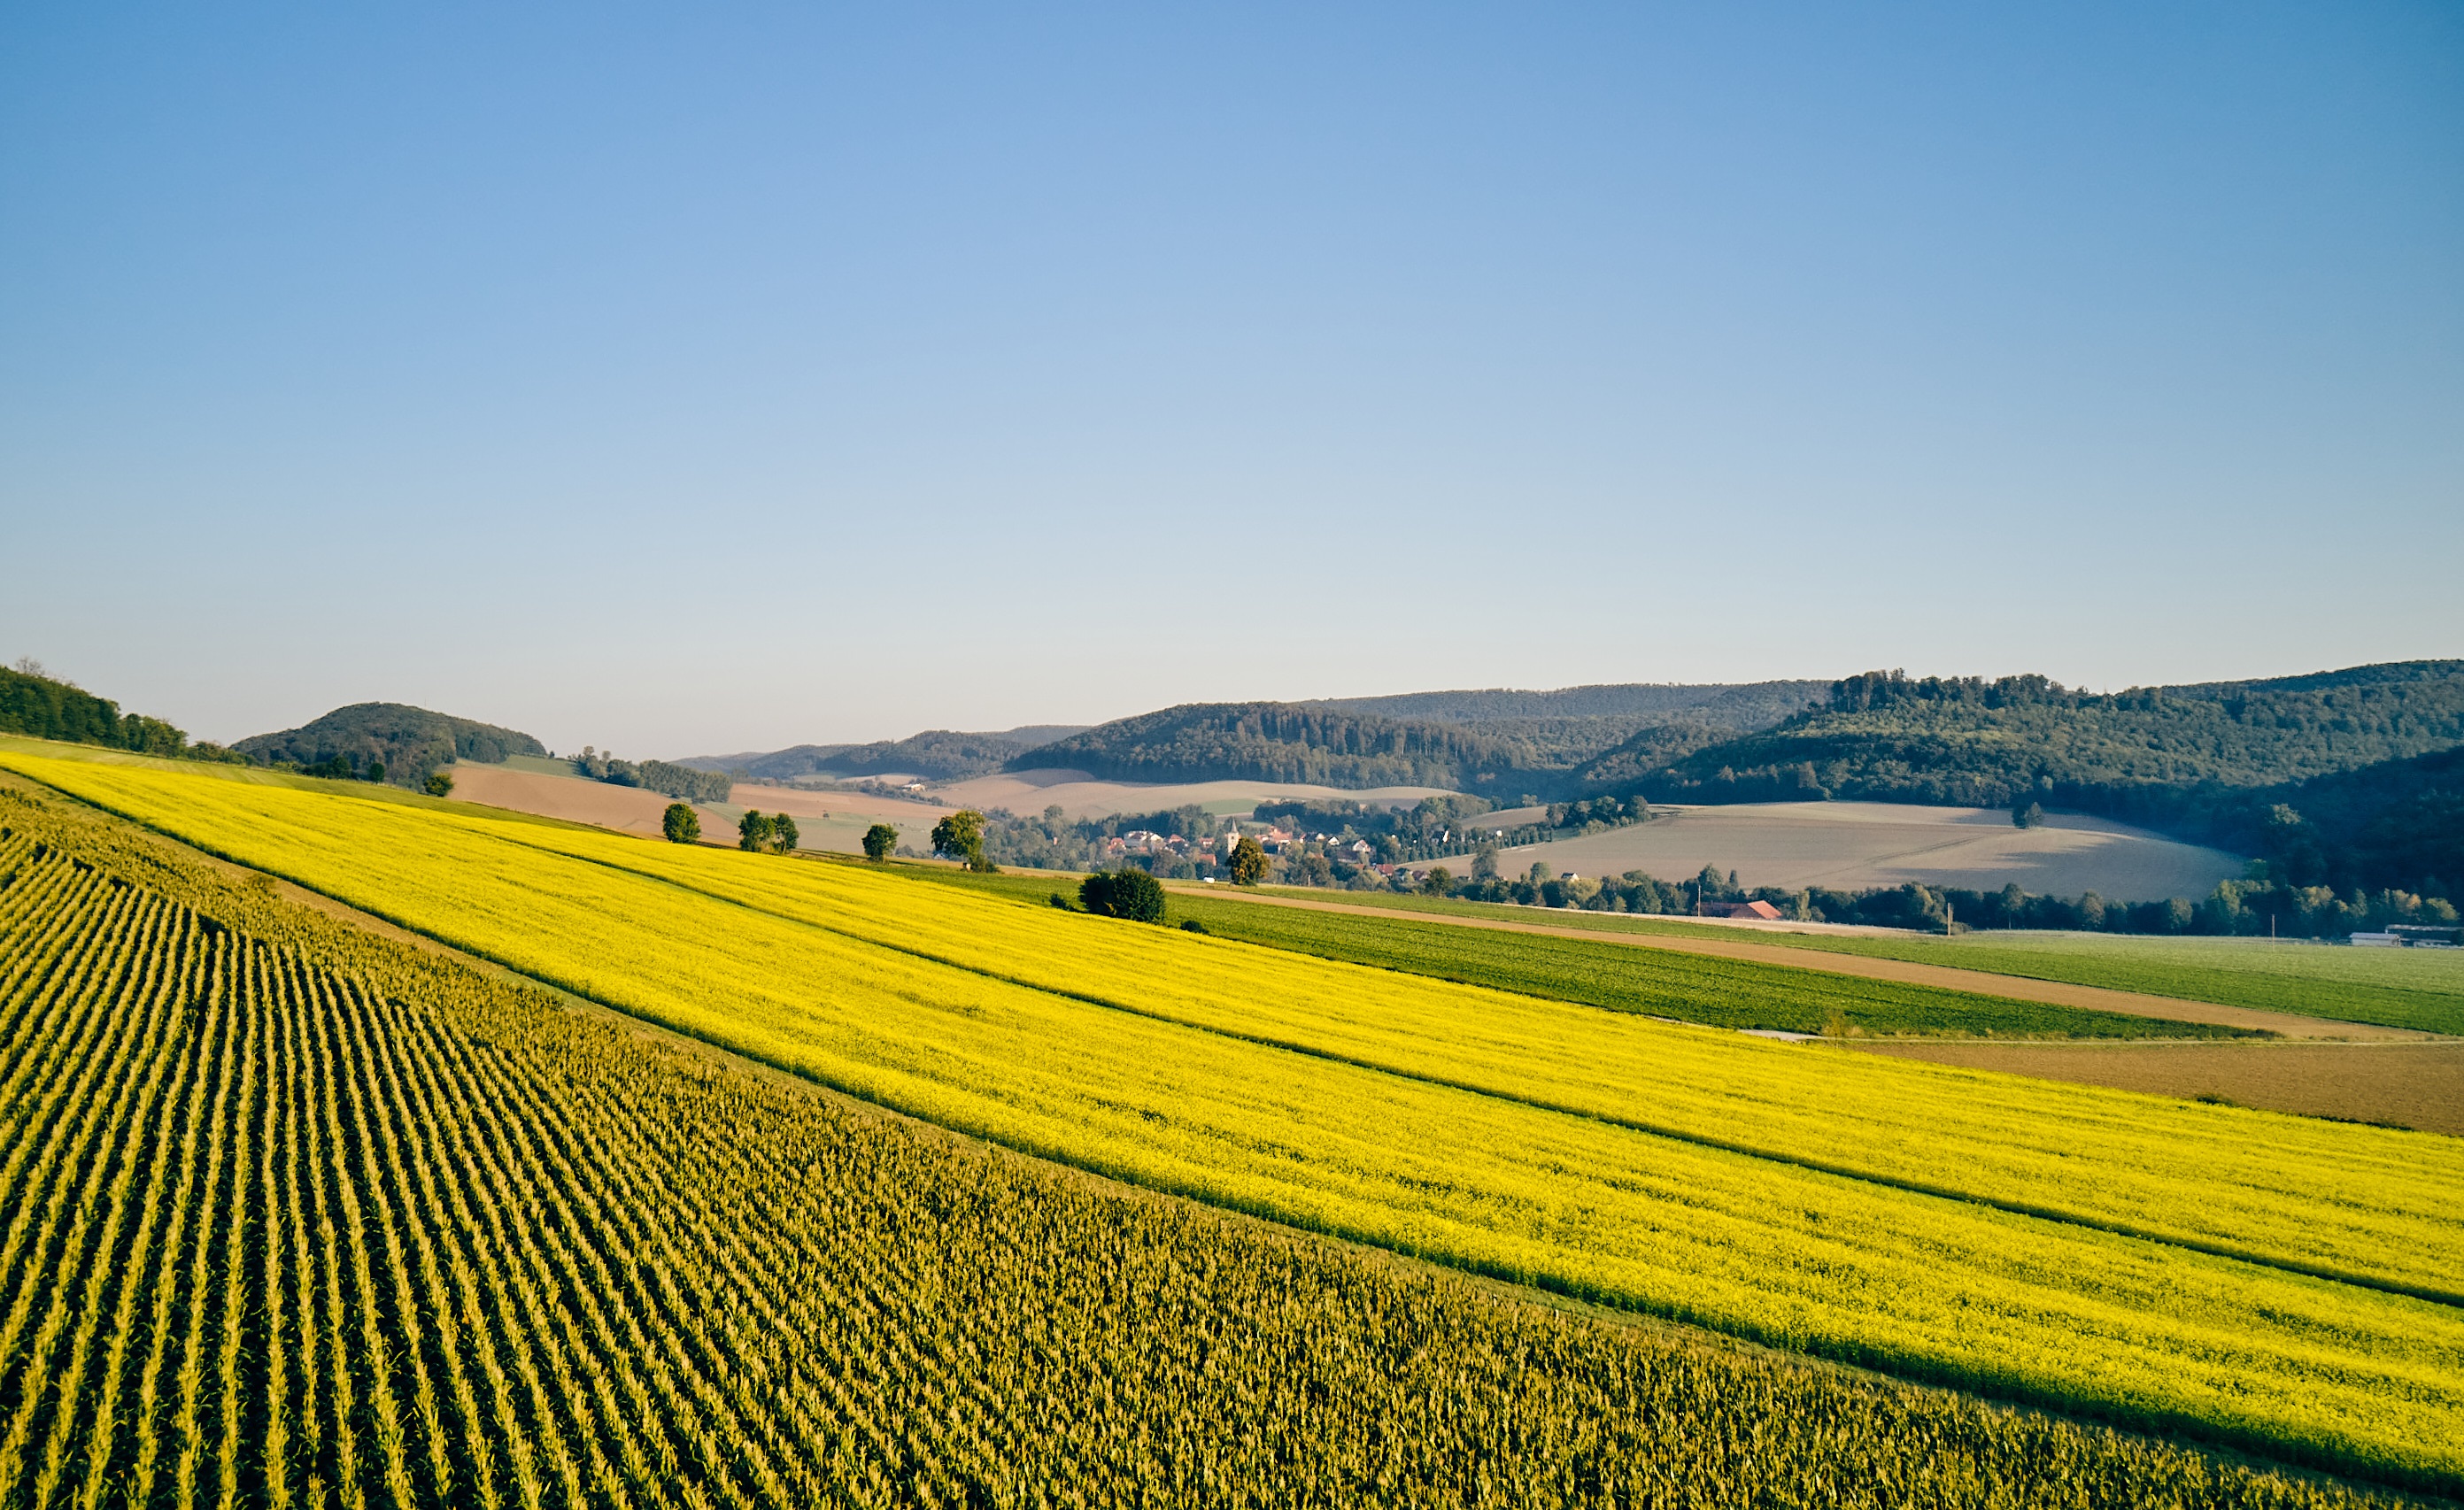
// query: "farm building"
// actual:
[[1753, 909]]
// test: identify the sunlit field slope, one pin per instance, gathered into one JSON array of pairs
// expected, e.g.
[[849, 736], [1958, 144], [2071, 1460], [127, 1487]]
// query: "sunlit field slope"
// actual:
[[1817, 1201], [296, 1214]]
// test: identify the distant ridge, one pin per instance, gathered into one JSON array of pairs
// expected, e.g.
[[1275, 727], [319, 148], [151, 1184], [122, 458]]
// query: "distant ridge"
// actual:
[[1495, 741], [410, 741], [1887, 736], [936, 754], [1741, 706]]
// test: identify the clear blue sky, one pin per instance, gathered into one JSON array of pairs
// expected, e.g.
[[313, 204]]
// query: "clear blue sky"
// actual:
[[683, 378]]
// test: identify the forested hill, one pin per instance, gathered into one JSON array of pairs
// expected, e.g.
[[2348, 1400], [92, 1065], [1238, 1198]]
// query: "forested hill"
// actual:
[[44, 707], [936, 754], [2397, 824], [408, 741], [1738, 707], [1290, 742], [1885, 736]]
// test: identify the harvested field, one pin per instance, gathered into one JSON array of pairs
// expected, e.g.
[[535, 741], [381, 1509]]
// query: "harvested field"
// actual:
[[1080, 797], [1857, 844], [831, 821], [2417, 1086], [836, 821], [577, 799]]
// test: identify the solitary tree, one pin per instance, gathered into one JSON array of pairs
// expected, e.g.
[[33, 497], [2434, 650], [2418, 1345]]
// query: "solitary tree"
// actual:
[[878, 841], [961, 836], [753, 831], [1128, 892], [1483, 864], [1439, 883], [683, 825], [2027, 817], [1247, 863], [783, 837], [437, 784]]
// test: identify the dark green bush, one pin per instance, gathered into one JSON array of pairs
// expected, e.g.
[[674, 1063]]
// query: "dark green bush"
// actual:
[[1128, 892]]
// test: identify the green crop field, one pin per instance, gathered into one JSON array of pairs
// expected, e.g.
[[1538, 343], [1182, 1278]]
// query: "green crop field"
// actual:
[[1689, 988], [2286, 1286], [1718, 992], [298, 1213], [2400, 988]]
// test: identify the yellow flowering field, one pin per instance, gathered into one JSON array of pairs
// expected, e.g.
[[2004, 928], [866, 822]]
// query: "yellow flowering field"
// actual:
[[1476, 1129], [2369, 1204]]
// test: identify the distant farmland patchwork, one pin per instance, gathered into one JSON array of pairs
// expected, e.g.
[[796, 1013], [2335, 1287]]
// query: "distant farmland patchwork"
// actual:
[[1468, 1127], [1850, 845]]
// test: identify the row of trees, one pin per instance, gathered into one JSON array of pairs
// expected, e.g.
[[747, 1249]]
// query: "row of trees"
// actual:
[[2253, 907], [681, 782], [40, 705]]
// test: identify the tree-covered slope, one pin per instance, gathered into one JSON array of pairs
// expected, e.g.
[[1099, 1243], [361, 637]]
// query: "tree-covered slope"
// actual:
[[1884, 736], [42, 707], [936, 754], [410, 741], [1284, 742], [2399, 823], [1749, 706], [1498, 742]]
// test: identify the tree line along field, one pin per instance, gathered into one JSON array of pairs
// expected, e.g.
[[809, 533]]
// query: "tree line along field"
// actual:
[[301, 1214], [2279, 1284], [2419, 989]]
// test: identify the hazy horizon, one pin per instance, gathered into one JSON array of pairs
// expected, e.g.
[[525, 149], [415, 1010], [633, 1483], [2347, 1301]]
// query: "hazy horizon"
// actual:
[[690, 384]]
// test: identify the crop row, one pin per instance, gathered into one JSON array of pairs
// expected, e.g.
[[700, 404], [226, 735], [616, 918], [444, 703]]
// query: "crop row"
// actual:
[[296, 1214], [1945, 1288]]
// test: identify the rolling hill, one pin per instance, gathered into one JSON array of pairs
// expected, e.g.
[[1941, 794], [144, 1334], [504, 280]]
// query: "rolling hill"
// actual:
[[1884, 736], [936, 754], [1715, 704], [2364, 758], [410, 741], [1500, 743]]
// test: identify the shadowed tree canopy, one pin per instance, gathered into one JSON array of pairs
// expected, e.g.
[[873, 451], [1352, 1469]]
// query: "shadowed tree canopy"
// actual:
[[1129, 892], [44, 707]]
